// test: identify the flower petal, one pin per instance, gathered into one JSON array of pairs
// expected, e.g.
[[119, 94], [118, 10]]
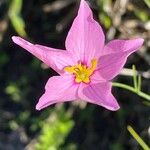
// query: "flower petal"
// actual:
[[116, 53], [58, 89], [116, 46], [86, 38], [100, 94], [96, 77], [56, 59]]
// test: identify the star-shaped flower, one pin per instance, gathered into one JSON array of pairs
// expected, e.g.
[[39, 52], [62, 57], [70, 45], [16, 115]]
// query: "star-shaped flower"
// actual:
[[86, 67]]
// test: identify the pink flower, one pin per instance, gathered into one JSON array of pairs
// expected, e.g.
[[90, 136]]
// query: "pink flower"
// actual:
[[86, 66]]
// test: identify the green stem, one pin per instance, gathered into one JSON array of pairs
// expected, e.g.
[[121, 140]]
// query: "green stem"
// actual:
[[138, 138], [132, 89], [135, 77], [139, 82]]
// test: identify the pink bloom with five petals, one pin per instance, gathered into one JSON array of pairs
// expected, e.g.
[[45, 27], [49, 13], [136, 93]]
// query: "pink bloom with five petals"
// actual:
[[86, 66]]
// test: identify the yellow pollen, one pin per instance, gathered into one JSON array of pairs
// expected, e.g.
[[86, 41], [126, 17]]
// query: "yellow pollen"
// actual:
[[82, 72]]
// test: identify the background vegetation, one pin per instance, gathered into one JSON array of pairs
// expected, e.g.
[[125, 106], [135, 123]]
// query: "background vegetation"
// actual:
[[77, 125]]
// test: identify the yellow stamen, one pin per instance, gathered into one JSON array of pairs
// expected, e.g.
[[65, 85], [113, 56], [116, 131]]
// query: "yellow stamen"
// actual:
[[82, 72]]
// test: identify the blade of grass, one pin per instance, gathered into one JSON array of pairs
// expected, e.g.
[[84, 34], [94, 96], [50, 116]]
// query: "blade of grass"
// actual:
[[138, 138]]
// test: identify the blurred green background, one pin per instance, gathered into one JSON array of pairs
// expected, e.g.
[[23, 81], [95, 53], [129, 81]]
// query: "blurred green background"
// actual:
[[77, 125]]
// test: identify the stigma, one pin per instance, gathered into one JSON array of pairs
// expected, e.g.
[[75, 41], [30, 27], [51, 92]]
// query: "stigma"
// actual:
[[81, 72]]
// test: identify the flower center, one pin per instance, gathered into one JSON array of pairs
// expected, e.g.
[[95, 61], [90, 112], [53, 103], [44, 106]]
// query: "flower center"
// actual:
[[82, 72]]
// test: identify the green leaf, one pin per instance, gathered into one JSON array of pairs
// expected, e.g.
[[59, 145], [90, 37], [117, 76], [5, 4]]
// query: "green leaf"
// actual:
[[54, 131], [142, 15], [14, 14], [147, 2], [105, 19], [13, 91]]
